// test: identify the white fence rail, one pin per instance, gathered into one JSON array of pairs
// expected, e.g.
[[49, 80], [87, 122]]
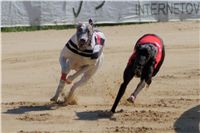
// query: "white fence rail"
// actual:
[[28, 13]]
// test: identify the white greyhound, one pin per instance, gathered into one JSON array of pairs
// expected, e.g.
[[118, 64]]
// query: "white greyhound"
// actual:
[[82, 53]]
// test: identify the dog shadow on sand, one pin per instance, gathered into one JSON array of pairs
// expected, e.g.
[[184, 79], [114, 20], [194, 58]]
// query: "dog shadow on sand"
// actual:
[[28, 107], [96, 115], [189, 121]]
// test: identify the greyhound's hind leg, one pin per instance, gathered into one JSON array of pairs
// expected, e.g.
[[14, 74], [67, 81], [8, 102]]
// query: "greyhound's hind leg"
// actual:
[[133, 96], [86, 76], [58, 91]]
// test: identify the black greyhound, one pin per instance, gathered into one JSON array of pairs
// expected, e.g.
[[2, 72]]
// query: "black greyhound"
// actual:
[[145, 62]]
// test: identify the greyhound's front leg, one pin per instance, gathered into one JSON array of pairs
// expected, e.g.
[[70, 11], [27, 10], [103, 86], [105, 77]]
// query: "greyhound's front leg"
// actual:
[[86, 76], [65, 66], [140, 86], [58, 91], [68, 98], [78, 73]]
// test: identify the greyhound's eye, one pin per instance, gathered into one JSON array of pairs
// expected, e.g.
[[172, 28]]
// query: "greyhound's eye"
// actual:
[[80, 30]]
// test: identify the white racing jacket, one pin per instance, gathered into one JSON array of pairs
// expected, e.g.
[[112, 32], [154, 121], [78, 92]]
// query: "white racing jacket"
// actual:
[[77, 58], [97, 43]]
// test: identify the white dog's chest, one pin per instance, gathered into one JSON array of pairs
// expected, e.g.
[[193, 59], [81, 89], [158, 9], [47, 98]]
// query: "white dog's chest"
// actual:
[[77, 61]]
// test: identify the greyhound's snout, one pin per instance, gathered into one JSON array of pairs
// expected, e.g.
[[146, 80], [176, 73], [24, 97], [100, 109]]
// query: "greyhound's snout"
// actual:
[[82, 40], [82, 44], [138, 73], [138, 70]]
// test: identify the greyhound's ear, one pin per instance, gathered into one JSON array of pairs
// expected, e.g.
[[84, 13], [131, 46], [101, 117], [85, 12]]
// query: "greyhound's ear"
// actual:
[[90, 21], [138, 47], [77, 25], [142, 47]]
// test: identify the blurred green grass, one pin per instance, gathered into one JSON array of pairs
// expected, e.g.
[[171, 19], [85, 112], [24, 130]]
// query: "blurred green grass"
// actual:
[[59, 27]]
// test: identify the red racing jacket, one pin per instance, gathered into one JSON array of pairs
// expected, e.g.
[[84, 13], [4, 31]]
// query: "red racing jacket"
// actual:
[[158, 43]]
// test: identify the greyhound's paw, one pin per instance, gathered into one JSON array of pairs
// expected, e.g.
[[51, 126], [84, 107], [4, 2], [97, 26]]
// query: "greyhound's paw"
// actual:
[[131, 99], [54, 99], [70, 100], [68, 81]]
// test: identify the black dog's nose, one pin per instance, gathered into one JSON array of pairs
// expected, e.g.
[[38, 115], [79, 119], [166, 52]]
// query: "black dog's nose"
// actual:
[[137, 73]]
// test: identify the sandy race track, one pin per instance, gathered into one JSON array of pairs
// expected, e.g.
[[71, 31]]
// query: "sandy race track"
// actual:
[[31, 71]]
